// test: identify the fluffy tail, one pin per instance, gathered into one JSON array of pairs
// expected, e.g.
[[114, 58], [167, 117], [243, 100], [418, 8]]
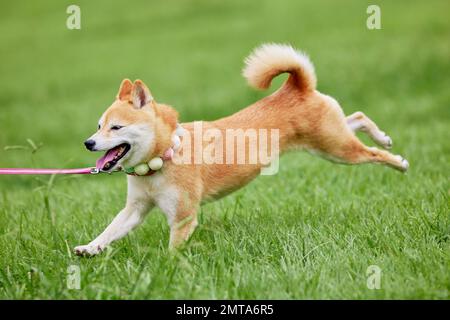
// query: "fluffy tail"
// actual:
[[269, 60]]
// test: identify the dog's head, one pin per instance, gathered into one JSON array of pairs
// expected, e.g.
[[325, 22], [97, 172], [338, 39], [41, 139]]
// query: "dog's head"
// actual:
[[133, 129]]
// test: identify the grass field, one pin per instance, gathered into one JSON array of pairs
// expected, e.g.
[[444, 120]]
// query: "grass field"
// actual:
[[311, 231]]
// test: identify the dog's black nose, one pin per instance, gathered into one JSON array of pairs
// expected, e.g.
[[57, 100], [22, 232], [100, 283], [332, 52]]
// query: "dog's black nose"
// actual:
[[90, 144]]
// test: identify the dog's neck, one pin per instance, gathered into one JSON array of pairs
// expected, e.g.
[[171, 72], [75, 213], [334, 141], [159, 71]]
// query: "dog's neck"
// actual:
[[156, 162]]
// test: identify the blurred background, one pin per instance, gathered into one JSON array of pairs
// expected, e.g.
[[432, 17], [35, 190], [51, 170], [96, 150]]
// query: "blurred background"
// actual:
[[55, 83]]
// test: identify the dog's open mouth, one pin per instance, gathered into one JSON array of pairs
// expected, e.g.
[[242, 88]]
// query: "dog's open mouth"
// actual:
[[112, 156]]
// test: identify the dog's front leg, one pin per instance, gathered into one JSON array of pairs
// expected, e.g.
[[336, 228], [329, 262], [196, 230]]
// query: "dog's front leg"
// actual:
[[127, 219], [181, 209]]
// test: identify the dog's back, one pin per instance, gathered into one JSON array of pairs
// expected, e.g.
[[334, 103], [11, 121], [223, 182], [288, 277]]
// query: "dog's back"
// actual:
[[304, 118]]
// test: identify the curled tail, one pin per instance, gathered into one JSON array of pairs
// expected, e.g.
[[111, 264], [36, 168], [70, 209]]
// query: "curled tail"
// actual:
[[269, 60]]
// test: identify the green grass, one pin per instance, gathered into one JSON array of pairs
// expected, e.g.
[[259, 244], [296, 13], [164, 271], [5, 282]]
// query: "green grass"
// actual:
[[310, 231]]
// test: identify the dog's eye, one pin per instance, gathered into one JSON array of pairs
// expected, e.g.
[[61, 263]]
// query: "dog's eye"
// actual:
[[116, 127], [98, 127]]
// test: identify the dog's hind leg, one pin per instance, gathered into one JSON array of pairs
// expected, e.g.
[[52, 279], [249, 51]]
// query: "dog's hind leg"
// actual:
[[336, 141], [358, 121], [345, 147], [358, 153]]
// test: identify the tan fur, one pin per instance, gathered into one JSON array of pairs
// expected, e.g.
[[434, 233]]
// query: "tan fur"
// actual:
[[305, 117]]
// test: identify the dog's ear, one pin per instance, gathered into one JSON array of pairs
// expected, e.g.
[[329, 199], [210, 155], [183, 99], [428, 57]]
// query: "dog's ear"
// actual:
[[125, 90], [140, 94]]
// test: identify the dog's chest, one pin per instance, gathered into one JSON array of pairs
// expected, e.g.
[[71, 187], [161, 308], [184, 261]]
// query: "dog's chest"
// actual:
[[157, 190]]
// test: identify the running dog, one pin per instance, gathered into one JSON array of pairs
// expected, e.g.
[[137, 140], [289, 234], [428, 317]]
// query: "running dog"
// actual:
[[142, 137]]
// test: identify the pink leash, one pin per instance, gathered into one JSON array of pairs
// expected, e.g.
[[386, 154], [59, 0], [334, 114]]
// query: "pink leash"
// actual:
[[91, 170]]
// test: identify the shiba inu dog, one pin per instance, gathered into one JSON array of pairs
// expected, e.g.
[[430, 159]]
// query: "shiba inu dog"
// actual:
[[142, 137]]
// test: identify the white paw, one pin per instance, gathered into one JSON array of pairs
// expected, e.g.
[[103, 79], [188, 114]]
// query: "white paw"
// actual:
[[88, 250], [404, 164], [384, 140]]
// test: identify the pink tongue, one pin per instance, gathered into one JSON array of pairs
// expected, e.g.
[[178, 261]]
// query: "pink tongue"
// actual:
[[109, 155]]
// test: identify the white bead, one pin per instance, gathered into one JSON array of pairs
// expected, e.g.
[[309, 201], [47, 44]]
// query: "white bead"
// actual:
[[176, 142], [141, 169], [155, 163], [179, 131]]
